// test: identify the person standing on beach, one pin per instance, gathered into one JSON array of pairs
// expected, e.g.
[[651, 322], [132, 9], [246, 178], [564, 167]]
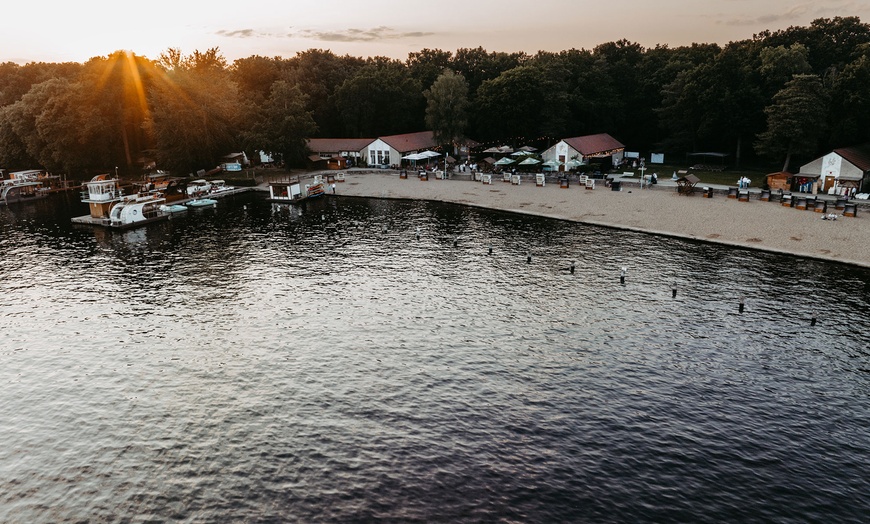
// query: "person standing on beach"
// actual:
[[333, 188]]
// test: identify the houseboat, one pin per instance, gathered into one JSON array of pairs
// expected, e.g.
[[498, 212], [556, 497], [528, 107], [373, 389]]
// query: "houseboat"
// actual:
[[110, 207], [24, 186]]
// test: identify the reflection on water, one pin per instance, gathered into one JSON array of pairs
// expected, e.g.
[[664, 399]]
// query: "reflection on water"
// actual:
[[262, 362]]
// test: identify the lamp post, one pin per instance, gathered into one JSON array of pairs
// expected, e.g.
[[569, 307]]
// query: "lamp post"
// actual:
[[116, 171]]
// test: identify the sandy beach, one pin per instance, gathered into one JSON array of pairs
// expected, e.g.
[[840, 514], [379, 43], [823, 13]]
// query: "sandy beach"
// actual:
[[661, 210]]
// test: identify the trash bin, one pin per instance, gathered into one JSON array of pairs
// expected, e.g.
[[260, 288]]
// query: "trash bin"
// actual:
[[616, 185]]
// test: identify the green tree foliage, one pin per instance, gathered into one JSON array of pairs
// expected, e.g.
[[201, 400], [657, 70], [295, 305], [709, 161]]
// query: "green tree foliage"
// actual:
[[381, 98], [795, 120], [283, 124], [318, 74], [447, 108], [195, 115], [426, 66], [850, 102], [255, 75], [526, 101]]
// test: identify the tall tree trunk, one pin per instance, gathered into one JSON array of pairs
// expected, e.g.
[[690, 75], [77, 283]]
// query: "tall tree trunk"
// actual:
[[787, 160], [737, 153]]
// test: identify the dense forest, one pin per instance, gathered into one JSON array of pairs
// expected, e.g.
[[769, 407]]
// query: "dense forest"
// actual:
[[775, 100]]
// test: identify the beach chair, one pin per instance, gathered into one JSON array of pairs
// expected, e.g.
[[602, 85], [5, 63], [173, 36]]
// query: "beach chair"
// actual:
[[563, 183], [840, 204], [339, 177], [540, 180], [590, 184], [787, 200], [821, 206], [811, 202], [765, 195], [515, 180], [800, 202], [743, 195], [732, 192], [707, 192], [506, 177], [850, 210], [486, 179], [403, 174]]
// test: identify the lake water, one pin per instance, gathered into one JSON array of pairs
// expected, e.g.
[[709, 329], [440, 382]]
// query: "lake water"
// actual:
[[268, 363]]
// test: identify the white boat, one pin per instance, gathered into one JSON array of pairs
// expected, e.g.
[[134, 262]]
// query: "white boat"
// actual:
[[23, 186], [201, 202], [173, 208], [137, 210], [198, 188], [219, 186]]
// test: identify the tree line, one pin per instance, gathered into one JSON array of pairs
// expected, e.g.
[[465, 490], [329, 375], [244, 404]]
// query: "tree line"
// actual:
[[774, 99]]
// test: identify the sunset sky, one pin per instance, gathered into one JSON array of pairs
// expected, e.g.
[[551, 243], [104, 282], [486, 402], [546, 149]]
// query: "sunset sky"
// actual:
[[50, 31]]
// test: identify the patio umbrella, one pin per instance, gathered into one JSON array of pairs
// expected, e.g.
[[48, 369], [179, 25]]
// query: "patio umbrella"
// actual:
[[521, 153], [552, 163], [429, 154], [530, 161], [504, 161], [574, 163]]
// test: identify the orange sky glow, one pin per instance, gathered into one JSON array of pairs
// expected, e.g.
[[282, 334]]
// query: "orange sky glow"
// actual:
[[40, 31]]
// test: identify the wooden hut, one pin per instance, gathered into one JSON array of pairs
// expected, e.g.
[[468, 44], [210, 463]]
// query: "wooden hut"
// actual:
[[779, 181]]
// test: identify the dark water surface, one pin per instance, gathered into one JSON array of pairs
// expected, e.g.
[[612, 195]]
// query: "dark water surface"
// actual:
[[251, 363]]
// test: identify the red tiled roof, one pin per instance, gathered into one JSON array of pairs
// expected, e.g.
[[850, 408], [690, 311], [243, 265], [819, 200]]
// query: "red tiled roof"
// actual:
[[410, 141], [857, 155], [591, 144], [337, 145]]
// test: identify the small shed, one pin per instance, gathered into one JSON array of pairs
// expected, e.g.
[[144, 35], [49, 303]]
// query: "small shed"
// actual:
[[780, 180], [686, 184]]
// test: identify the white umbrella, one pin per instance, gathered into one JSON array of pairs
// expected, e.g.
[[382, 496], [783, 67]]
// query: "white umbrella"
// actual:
[[414, 156], [530, 162], [552, 163], [521, 153], [504, 161], [429, 154]]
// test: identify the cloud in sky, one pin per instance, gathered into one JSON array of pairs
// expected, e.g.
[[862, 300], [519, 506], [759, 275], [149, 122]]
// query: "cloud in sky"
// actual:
[[375, 34]]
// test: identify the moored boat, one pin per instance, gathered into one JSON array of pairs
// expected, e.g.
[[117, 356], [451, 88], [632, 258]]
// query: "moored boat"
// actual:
[[201, 202], [136, 210], [23, 186], [173, 208]]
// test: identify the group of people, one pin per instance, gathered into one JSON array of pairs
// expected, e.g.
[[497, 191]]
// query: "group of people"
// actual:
[[743, 183]]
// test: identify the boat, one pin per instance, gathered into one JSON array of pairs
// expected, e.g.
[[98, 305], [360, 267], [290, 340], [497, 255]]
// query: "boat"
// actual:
[[198, 188], [137, 210], [219, 186], [316, 190], [173, 208], [202, 202], [23, 186], [110, 207]]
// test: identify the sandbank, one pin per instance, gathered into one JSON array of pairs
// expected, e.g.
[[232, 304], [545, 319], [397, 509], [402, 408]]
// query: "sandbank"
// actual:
[[661, 210]]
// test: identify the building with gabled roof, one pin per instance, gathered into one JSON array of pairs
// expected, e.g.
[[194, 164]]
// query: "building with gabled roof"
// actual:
[[843, 171], [389, 150], [581, 148], [345, 147]]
